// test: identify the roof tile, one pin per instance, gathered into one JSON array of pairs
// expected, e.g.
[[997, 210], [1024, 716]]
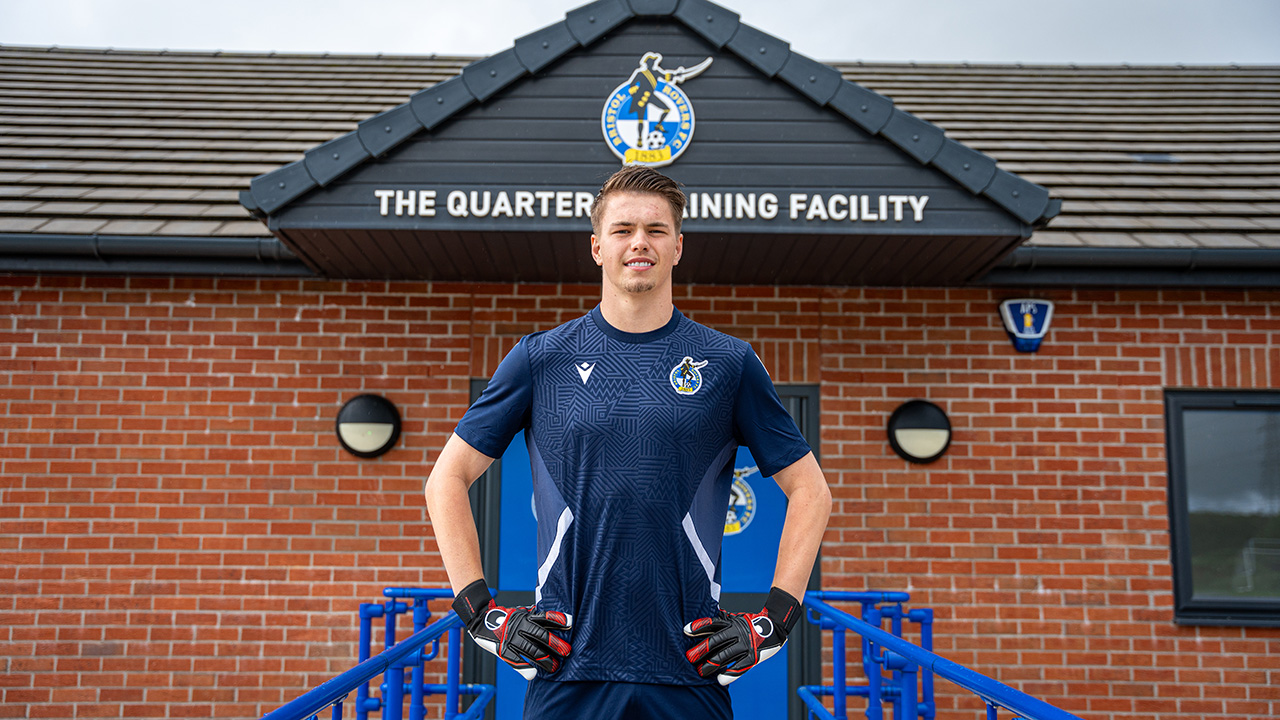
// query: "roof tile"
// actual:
[[20, 224], [189, 227], [1166, 240], [1100, 239], [130, 227], [72, 226]]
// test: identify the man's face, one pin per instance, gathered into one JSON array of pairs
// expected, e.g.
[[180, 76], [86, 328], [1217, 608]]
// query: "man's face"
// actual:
[[637, 245]]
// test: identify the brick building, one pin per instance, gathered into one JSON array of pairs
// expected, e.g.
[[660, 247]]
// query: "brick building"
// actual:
[[183, 536]]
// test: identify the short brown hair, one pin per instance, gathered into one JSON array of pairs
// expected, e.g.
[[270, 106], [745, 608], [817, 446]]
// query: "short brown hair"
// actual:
[[638, 179]]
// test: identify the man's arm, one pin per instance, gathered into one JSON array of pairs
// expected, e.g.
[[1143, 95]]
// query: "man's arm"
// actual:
[[449, 507], [521, 637], [808, 507]]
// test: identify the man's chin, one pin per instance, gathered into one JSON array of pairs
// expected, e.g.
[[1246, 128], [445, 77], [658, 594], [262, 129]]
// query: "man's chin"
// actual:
[[638, 286]]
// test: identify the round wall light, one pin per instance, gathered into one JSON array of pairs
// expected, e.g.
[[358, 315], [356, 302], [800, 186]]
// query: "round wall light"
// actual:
[[368, 426], [919, 431]]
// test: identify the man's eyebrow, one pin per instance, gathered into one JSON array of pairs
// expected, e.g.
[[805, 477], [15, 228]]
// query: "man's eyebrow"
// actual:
[[632, 223]]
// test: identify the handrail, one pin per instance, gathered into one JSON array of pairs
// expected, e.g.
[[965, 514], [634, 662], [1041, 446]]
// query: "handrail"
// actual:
[[991, 691], [336, 688]]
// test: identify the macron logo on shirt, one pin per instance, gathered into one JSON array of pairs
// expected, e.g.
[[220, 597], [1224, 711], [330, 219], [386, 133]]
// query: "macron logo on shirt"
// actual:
[[584, 371]]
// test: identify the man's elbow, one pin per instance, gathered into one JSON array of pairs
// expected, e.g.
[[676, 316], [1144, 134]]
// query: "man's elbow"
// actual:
[[437, 489], [822, 502]]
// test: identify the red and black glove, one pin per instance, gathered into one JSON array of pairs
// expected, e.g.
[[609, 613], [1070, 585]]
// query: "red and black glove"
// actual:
[[520, 636], [737, 642]]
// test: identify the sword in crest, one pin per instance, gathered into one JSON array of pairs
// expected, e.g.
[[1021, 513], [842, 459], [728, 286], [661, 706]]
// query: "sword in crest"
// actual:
[[643, 88]]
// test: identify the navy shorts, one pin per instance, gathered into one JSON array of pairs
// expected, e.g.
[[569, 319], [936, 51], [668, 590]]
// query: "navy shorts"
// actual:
[[552, 700]]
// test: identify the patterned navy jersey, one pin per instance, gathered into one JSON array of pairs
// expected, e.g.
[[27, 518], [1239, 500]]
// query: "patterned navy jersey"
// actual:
[[632, 438]]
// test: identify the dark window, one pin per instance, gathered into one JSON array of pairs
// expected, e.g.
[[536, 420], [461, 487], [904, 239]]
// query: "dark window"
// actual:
[[1224, 506]]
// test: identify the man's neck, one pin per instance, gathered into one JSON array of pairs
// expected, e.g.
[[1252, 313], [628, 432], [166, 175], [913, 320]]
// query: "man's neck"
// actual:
[[636, 313]]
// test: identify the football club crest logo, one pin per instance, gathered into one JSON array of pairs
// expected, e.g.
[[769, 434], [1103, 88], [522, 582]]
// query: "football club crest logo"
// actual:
[[685, 377], [648, 120], [742, 501]]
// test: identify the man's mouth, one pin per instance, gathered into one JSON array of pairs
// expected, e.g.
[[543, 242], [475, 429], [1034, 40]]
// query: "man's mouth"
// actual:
[[640, 264]]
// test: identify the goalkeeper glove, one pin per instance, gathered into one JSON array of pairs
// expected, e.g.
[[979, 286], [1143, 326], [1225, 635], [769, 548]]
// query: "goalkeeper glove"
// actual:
[[520, 636], [737, 642]]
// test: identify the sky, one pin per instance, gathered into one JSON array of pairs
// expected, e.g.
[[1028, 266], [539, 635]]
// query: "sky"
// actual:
[[1028, 31]]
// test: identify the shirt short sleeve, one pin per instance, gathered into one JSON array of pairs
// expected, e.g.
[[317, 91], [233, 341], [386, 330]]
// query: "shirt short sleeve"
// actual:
[[503, 409], [761, 422]]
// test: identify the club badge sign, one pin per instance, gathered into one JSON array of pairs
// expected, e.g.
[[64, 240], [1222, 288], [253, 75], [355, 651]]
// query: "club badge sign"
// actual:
[[648, 120]]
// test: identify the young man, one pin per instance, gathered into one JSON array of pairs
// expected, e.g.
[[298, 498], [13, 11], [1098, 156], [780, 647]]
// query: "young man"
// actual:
[[633, 415]]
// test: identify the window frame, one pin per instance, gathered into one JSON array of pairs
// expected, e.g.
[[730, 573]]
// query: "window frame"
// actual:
[[1187, 610]]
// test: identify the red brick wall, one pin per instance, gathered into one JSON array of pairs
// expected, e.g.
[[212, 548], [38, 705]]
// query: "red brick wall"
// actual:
[[181, 535]]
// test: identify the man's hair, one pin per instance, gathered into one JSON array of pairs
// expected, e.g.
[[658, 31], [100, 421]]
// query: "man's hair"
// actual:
[[638, 179]]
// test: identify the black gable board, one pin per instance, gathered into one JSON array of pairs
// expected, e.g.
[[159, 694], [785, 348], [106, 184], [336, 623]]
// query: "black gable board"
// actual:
[[754, 138]]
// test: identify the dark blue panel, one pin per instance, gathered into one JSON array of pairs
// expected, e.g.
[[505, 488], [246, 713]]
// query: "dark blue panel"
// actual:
[[388, 129], [438, 102], [518, 536], [486, 77], [811, 77], [655, 8], [869, 109], [753, 526], [919, 138], [508, 703], [965, 165], [589, 22], [1027, 201], [763, 51], [762, 693], [537, 50], [714, 23], [517, 559], [273, 190], [328, 161]]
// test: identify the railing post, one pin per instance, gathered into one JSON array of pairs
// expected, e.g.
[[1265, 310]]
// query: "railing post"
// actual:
[[368, 611], [838, 659], [393, 694], [417, 703], [393, 680], [452, 674], [871, 668], [924, 616], [909, 684]]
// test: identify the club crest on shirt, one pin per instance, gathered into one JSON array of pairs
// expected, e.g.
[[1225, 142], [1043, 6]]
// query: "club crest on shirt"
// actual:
[[742, 502], [685, 377]]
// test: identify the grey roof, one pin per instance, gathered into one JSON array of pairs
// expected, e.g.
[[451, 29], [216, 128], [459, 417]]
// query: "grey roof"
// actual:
[[721, 28], [145, 143]]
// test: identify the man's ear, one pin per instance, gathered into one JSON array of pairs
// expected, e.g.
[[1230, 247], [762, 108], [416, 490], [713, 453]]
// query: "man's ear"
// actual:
[[595, 250], [679, 248]]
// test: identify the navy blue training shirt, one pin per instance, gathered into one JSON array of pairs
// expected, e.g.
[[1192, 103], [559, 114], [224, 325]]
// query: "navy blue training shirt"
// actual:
[[632, 438]]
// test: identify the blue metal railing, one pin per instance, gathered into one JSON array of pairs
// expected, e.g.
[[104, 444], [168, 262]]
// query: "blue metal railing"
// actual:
[[877, 607], [909, 663], [391, 663], [909, 687]]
